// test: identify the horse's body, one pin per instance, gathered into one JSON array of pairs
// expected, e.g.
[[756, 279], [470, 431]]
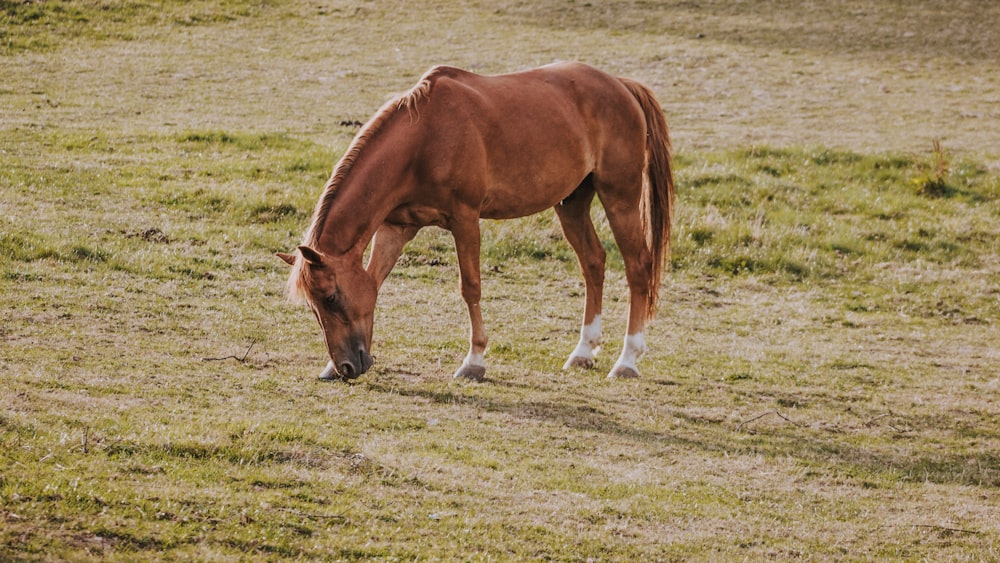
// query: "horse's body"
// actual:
[[459, 147]]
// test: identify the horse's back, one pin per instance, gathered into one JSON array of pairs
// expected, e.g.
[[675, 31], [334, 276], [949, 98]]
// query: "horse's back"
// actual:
[[559, 107], [524, 141], [573, 83]]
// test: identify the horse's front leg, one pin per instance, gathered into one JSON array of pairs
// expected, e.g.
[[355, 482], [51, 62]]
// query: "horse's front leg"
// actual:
[[466, 233], [387, 245]]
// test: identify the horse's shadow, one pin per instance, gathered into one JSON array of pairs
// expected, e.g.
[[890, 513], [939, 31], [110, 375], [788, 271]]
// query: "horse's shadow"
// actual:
[[809, 446]]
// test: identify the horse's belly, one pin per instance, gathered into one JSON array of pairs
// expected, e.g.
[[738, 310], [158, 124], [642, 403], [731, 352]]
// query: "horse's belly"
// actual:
[[526, 198]]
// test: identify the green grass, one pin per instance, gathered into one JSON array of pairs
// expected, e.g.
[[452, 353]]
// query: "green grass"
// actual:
[[126, 433], [822, 377], [46, 25], [819, 214]]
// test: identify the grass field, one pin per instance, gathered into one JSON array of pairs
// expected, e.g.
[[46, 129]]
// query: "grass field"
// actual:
[[823, 377]]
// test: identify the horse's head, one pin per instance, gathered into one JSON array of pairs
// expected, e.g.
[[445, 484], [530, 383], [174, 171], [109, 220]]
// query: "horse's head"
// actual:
[[342, 297]]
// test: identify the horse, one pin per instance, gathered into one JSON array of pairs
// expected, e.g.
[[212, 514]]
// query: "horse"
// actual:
[[459, 147]]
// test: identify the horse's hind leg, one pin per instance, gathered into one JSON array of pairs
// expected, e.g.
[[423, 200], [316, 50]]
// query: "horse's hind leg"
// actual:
[[574, 217], [626, 224]]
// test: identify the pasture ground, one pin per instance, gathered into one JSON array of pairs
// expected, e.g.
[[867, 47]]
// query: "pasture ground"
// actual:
[[823, 377]]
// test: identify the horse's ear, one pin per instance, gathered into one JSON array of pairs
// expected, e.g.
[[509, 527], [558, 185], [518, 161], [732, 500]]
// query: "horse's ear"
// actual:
[[311, 256], [288, 258]]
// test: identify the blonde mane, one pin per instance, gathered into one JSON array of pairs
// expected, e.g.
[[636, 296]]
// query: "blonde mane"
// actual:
[[409, 102]]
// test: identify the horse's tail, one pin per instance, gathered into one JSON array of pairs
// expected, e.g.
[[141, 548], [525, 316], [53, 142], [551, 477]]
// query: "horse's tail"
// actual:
[[657, 203]]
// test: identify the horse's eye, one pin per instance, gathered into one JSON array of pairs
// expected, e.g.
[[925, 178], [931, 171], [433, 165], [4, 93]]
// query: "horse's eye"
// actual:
[[334, 307]]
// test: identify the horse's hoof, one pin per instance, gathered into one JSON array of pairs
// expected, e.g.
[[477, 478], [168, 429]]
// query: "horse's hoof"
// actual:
[[330, 373], [471, 372], [623, 372], [579, 362]]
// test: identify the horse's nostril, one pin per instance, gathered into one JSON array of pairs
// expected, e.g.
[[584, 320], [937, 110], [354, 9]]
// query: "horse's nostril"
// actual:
[[347, 370]]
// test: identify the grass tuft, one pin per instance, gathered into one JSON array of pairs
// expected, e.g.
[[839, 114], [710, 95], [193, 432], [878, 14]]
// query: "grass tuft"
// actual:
[[86, 254], [25, 247], [933, 179]]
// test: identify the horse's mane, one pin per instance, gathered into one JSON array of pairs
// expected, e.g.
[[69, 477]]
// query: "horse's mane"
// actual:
[[408, 101]]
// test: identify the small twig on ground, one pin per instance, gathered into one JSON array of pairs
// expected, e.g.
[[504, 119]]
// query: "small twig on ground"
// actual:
[[762, 415], [870, 421], [237, 358], [313, 516], [933, 527], [947, 529]]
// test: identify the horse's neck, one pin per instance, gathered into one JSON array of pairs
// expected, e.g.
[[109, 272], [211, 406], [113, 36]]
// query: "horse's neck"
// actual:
[[368, 194], [351, 222]]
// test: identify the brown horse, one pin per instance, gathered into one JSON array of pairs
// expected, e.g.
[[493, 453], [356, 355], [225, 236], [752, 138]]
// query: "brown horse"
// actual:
[[459, 147]]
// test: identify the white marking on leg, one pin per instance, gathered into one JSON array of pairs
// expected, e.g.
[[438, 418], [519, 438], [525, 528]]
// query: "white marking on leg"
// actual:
[[590, 342], [632, 350], [473, 367], [473, 359]]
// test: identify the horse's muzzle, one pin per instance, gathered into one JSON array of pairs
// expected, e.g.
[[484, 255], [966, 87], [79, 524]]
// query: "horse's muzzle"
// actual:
[[348, 369]]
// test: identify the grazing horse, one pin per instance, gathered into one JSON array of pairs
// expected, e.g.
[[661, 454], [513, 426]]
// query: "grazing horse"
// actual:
[[459, 147]]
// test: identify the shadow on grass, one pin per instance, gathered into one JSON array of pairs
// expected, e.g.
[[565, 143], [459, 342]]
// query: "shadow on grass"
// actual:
[[809, 447]]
